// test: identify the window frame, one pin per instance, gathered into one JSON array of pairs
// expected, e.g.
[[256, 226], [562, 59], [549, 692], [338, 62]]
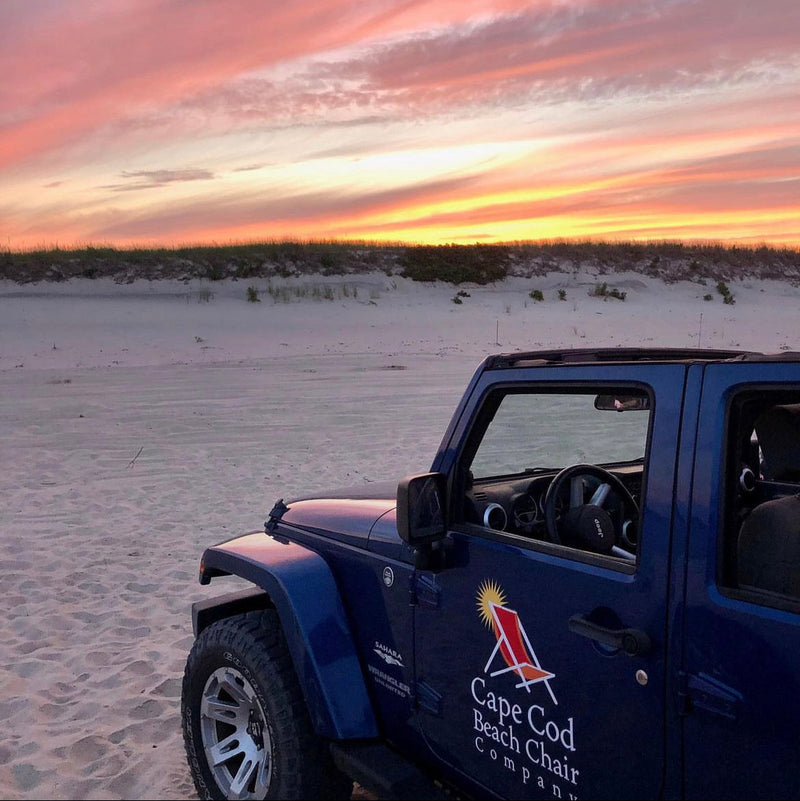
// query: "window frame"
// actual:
[[487, 406]]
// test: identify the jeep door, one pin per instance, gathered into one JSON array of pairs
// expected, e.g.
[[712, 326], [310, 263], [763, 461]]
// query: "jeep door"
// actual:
[[523, 679], [741, 674]]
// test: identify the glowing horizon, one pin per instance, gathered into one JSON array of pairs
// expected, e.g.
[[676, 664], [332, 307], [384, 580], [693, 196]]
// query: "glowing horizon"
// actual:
[[157, 123]]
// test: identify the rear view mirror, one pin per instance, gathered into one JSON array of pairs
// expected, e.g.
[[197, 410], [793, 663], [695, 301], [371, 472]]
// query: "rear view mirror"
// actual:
[[622, 403]]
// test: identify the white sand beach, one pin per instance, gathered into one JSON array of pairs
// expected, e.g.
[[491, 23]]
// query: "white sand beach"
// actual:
[[142, 422]]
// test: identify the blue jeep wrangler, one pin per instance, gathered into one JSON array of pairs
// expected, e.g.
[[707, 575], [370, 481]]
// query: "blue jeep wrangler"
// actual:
[[594, 593]]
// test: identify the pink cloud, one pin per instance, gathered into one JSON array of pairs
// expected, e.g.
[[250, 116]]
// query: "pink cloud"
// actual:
[[81, 64], [85, 63], [579, 51]]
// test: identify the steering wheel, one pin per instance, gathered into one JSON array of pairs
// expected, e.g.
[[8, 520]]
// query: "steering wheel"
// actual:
[[587, 524]]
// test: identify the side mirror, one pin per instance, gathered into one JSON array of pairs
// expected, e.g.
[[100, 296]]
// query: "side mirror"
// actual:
[[420, 508]]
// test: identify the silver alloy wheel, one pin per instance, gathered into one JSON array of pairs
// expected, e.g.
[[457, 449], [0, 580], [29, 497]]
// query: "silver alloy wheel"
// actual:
[[236, 737]]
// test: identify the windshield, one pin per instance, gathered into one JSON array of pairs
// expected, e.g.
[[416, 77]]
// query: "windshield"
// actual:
[[536, 431]]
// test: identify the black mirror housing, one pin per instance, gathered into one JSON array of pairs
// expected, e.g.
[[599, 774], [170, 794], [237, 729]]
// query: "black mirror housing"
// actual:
[[421, 508]]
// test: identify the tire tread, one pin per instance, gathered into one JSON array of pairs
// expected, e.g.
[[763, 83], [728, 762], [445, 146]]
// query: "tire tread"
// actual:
[[305, 766]]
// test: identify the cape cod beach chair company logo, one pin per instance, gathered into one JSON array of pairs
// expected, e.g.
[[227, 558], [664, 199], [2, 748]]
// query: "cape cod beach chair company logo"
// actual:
[[521, 739], [513, 651]]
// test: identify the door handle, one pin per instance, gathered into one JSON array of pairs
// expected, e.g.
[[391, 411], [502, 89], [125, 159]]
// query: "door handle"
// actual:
[[633, 642]]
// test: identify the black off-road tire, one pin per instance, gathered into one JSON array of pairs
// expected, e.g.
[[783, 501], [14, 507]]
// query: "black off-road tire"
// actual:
[[241, 701]]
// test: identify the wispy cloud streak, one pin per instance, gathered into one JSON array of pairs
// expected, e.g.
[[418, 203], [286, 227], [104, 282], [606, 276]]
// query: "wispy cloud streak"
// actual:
[[148, 179]]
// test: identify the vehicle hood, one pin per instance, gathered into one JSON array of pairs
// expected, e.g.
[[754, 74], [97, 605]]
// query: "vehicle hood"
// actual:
[[346, 514]]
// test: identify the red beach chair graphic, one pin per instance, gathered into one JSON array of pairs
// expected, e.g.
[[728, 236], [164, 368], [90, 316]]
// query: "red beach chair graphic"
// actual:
[[515, 648]]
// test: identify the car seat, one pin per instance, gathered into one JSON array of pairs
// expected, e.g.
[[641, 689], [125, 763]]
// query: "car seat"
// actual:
[[769, 547], [778, 432]]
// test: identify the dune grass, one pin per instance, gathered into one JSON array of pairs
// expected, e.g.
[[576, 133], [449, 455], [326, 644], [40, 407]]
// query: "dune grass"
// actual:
[[455, 264]]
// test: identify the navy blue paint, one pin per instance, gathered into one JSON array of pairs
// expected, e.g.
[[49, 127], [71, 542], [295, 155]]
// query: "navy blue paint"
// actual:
[[596, 689], [301, 586], [750, 649]]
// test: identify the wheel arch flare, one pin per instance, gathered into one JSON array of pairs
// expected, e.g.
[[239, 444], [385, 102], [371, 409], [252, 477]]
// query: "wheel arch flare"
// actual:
[[301, 587]]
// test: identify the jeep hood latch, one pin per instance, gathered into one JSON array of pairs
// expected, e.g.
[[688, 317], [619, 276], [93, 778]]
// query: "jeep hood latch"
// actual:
[[276, 513]]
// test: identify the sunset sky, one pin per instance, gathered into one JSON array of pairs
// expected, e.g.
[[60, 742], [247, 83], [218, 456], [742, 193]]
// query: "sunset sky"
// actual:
[[172, 122]]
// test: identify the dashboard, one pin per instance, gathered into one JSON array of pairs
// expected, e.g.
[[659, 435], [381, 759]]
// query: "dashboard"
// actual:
[[516, 504]]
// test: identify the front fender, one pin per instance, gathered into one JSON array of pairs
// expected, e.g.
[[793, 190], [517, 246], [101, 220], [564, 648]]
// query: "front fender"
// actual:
[[302, 588]]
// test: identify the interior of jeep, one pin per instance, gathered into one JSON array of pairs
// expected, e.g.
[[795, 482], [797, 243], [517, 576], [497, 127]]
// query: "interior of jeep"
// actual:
[[762, 527], [565, 467]]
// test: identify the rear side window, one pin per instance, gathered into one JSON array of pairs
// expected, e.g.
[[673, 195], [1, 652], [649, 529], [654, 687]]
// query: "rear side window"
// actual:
[[761, 531]]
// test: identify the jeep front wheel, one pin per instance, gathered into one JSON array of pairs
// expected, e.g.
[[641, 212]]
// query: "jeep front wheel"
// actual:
[[245, 725]]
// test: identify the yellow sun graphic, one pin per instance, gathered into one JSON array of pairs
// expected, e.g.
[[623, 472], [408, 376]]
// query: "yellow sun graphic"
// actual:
[[489, 592]]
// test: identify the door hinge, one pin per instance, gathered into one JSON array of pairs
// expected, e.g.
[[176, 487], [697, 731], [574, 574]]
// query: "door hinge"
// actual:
[[423, 591], [702, 691], [427, 699]]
